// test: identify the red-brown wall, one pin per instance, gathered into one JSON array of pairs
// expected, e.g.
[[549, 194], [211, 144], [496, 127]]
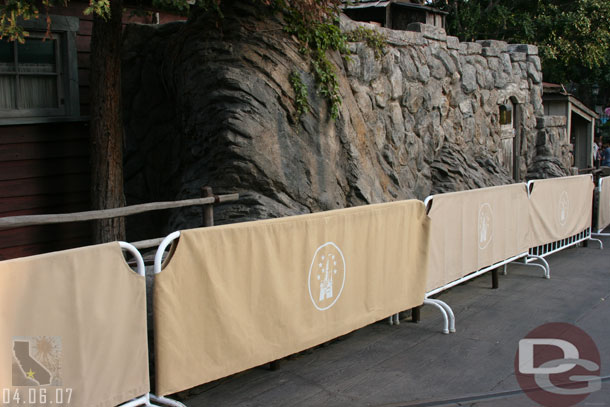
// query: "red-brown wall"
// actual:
[[43, 169]]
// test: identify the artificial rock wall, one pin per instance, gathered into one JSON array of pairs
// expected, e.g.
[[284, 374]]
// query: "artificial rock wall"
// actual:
[[553, 149], [210, 103], [444, 97]]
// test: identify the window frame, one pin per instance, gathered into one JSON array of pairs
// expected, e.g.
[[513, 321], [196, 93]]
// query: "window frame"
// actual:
[[64, 30], [509, 111]]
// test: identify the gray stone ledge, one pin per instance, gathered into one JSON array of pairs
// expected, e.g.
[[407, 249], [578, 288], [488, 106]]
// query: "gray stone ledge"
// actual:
[[500, 46], [490, 52], [528, 49], [518, 56], [429, 31], [393, 37], [550, 121], [473, 48], [453, 42]]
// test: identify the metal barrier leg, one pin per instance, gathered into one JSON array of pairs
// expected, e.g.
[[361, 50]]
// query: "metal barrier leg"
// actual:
[[140, 401], [146, 401], [545, 266], [394, 319], [166, 401], [601, 244], [449, 312], [494, 279], [443, 312], [504, 271]]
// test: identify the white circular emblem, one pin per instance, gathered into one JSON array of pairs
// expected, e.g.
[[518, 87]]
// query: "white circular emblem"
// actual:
[[485, 225], [564, 208], [326, 276]]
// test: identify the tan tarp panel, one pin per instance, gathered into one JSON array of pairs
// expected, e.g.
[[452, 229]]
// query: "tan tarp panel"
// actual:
[[603, 213], [237, 296], [73, 326], [474, 229], [560, 208]]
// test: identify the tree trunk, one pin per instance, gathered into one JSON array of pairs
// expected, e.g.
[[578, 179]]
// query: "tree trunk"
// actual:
[[106, 122]]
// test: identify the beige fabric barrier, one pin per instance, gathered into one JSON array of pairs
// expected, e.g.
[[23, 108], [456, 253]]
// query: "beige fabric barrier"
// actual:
[[474, 229], [237, 296], [73, 327], [560, 208], [603, 213]]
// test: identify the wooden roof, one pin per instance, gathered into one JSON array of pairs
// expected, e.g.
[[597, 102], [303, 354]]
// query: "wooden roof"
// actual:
[[351, 4]]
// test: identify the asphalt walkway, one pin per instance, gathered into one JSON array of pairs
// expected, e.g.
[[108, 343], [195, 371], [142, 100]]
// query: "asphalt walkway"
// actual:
[[416, 365]]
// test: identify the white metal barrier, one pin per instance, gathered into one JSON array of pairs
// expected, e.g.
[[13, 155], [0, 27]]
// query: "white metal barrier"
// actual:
[[539, 252], [446, 311], [496, 208], [603, 207], [554, 247], [147, 399], [534, 257]]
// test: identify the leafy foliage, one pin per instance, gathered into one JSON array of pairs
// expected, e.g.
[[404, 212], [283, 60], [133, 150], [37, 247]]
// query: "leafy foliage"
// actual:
[[575, 39], [300, 91], [99, 7], [316, 37], [321, 34], [12, 12], [373, 39]]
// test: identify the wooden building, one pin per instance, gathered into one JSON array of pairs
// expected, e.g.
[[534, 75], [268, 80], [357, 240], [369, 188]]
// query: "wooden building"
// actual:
[[44, 136], [580, 121], [395, 14]]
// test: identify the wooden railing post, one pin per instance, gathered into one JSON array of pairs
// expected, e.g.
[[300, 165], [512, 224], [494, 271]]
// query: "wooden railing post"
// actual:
[[208, 209]]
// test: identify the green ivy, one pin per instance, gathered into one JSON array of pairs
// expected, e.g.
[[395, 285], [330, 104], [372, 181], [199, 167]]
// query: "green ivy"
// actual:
[[300, 91], [11, 14], [373, 39], [98, 7], [318, 37], [315, 39]]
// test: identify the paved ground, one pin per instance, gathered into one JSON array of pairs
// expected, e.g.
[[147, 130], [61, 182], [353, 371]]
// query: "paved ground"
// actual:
[[416, 365]]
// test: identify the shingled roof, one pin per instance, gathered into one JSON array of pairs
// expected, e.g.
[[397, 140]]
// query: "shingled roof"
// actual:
[[351, 4]]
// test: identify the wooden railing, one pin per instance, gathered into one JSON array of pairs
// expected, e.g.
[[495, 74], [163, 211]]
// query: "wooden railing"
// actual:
[[207, 200]]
